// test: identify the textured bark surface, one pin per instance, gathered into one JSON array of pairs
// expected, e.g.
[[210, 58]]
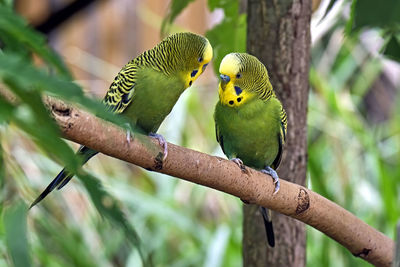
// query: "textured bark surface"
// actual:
[[396, 262], [250, 185], [279, 35]]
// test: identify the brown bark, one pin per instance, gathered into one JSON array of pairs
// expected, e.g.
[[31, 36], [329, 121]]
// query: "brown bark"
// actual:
[[250, 185], [279, 35], [396, 262]]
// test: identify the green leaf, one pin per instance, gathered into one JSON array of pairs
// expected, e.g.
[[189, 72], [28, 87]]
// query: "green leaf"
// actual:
[[15, 32], [6, 110], [329, 8], [392, 48], [31, 113], [7, 3], [29, 78], [176, 7], [370, 13], [28, 115], [2, 166], [213, 4], [230, 7], [62, 242], [15, 67], [226, 37], [229, 35], [350, 22], [109, 207], [14, 219]]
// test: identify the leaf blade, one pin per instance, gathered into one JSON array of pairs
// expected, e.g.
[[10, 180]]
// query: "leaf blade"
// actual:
[[14, 219]]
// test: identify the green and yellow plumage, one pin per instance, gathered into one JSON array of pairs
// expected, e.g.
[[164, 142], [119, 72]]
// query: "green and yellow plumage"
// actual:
[[176, 57], [249, 119], [147, 87]]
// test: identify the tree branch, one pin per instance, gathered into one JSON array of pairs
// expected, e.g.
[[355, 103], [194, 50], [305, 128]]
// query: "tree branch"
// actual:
[[251, 186]]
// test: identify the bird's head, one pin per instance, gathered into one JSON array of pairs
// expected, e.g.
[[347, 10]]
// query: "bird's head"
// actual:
[[194, 53], [242, 78]]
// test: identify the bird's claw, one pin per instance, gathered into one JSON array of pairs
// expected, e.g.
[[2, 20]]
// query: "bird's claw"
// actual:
[[271, 172], [128, 137], [239, 162], [129, 134], [162, 142]]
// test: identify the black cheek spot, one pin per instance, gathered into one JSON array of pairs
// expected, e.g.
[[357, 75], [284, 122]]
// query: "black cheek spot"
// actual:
[[231, 102], [238, 90], [239, 99], [194, 72], [190, 83]]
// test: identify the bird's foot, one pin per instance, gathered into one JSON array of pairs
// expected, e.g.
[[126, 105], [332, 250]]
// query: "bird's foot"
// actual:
[[239, 162], [162, 142], [271, 172], [129, 133]]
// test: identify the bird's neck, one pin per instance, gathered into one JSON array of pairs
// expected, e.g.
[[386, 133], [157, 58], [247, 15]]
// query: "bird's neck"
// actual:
[[265, 91], [252, 107]]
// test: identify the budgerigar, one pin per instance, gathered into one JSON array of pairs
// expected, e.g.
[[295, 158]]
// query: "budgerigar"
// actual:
[[147, 88], [250, 121]]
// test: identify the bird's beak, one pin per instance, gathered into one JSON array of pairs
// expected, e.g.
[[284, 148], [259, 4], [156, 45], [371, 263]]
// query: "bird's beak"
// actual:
[[224, 78]]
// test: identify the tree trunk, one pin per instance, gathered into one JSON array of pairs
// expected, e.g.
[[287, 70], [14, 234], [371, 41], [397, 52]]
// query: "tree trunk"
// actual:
[[278, 33]]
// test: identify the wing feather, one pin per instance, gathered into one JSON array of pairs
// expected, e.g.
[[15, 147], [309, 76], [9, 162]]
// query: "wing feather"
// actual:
[[281, 139], [219, 137], [283, 125], [122, 89]]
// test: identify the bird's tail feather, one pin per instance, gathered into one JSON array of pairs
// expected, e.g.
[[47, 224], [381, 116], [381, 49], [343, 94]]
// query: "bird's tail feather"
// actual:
[[64, 176], [268, 226]]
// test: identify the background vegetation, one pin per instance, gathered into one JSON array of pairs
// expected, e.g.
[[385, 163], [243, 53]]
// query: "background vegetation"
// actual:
[[354, 130]]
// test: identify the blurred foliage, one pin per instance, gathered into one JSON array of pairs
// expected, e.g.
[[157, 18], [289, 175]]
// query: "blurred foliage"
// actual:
[[227, 36], [392, 48], [28, 82], [176, 7], [14, 219], [18, 38], [354, 143], [384, 16], [230, 34], [367, 14]]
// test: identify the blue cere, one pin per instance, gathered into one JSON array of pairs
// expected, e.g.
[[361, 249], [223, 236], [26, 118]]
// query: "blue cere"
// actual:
[[194, 73], [238, 90], [224, 78]]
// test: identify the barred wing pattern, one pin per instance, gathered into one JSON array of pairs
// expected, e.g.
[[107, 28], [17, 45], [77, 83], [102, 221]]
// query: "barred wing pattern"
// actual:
[[167, 57], [281, 138], [122, 89]]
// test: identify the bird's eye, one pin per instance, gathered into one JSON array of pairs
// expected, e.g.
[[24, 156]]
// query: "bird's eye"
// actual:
[[239, 75], [200, 59]]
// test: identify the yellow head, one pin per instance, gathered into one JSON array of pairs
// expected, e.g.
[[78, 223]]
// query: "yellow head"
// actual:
[[243, 77], [190, 53], [199, 64]]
